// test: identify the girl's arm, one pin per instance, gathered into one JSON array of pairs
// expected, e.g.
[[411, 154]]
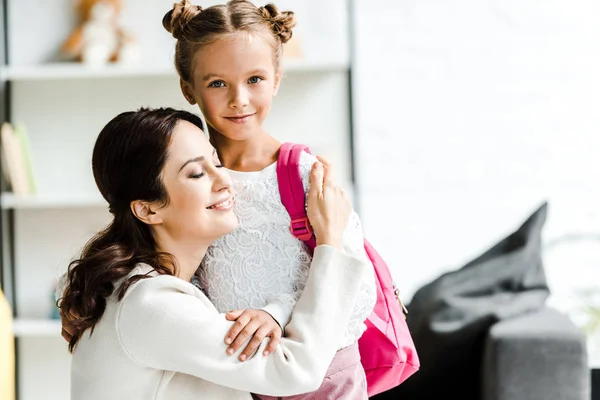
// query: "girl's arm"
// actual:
[[163, 324], [281, 307]]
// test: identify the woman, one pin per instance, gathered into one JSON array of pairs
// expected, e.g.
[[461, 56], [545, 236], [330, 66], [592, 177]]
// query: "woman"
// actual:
[[140, 329]]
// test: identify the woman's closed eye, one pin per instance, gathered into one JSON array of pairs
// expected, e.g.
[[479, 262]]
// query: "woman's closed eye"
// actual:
[[217, 163], [196, 175]]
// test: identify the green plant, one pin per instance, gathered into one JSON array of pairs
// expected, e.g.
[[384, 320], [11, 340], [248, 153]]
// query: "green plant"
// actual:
[[590, 310]]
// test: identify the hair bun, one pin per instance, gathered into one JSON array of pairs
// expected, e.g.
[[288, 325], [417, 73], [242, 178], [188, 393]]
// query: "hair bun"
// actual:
[[281, 22], [176, 20]]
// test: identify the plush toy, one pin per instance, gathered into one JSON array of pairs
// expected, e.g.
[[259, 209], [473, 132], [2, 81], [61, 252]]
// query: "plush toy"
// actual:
[[98, 39]]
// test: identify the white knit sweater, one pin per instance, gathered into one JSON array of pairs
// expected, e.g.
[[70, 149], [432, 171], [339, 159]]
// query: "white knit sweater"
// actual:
[[261, 265], [165, 340]]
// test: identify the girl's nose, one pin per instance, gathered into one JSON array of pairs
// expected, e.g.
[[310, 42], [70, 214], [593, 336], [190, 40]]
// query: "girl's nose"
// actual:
[[239, 98]]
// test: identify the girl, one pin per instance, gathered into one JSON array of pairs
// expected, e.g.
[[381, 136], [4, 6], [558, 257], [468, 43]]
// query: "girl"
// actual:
[[228, 59], [140, 329]]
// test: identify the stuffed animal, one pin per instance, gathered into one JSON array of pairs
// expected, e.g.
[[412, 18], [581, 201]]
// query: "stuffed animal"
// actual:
[[98, 38]]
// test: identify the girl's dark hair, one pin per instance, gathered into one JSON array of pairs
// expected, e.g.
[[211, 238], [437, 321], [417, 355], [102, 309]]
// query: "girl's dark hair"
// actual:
[[194, 27], [127, 162]]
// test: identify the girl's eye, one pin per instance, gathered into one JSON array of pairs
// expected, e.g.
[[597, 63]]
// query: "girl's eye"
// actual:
[[217, 84], [219, 166], [196, 176], [255, 79]]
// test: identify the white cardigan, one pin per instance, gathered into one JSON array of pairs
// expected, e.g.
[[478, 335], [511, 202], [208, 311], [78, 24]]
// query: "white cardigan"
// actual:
[[165, 340]]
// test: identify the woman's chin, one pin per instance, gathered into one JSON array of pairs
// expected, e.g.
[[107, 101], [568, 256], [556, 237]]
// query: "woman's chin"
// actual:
[[227, 223], [233, 222]]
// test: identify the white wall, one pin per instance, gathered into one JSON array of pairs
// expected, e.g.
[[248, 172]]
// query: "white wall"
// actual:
[[468, 115]]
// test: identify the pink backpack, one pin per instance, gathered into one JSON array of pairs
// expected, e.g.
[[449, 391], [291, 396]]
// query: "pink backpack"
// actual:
[[387, 351]]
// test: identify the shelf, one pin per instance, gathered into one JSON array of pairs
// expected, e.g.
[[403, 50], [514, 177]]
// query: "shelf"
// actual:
[[11, 201], [80, 71], [24, 327], [56, 71]]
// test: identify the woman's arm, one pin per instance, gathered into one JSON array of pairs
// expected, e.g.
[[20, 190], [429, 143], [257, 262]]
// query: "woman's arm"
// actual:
[[163, 325]]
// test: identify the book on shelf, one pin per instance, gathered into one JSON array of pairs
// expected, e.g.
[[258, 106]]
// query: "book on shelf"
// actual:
[[7, 350], [16, 159]]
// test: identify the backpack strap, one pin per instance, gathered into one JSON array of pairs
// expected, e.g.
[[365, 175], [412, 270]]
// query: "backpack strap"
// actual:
[[292, 193]]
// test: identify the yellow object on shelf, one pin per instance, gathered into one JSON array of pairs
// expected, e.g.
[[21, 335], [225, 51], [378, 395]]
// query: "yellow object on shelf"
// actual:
[[7, 354]]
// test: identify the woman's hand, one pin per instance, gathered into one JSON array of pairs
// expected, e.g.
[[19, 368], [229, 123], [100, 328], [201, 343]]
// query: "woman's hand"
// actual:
[[248, 323], [328, 205]]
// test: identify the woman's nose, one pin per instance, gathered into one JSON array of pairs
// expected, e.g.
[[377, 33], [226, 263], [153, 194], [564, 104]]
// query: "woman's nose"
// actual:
[[221, 180]]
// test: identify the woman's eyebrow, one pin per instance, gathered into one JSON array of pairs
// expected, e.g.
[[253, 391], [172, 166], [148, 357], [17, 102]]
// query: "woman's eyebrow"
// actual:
[[196, 159], [191, 160]]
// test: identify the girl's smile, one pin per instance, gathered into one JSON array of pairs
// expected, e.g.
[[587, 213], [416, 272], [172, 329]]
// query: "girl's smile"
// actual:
[[240, 119]]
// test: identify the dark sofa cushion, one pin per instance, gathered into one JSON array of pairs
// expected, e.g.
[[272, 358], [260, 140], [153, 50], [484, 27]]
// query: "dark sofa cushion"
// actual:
[[450, 316]]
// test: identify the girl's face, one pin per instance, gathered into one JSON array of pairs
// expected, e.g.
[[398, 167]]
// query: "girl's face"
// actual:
[[234, 83], [200, 200]]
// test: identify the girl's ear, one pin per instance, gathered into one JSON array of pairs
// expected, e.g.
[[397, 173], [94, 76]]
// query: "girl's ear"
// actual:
[[278, 74], [143, 211], [187, 91]]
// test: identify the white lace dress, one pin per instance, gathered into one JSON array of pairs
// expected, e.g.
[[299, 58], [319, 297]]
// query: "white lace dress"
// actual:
[[261, 265]]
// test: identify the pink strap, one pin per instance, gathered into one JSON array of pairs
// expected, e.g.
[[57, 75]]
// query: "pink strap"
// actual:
[[291, 191]]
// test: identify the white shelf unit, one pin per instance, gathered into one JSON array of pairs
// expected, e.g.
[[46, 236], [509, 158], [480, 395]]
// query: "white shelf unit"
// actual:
[[57, 200], [69, 71], [36, 328], [64, 107]]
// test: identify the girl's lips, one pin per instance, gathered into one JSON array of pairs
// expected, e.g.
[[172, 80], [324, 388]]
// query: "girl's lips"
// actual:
[[242, 119]]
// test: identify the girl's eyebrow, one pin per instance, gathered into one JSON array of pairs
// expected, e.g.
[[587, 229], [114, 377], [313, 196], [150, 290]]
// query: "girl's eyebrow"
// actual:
[[211, 75], [208, 77], [260, 71]]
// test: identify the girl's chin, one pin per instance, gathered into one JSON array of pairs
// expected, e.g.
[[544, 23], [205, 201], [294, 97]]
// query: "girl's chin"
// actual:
[[236, 132]]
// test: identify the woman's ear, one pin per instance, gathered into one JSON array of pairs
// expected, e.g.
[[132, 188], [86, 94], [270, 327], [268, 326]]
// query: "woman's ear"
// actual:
[[143, 211], [187, 91]]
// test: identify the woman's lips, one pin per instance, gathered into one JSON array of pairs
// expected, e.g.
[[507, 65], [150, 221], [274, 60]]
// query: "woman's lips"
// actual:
[[223, 205]]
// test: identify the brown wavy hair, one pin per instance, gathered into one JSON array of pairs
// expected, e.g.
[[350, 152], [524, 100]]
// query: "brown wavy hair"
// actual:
[[194, 27], [128, 158]]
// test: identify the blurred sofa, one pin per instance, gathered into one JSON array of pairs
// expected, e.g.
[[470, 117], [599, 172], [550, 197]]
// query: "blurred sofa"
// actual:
[[484, 332]]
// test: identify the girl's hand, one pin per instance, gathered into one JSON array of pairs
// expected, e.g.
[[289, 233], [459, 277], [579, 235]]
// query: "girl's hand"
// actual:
[[251, 322], [328, 205]]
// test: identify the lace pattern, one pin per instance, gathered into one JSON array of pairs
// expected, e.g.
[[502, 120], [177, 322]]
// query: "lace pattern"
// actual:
[[261, 261]]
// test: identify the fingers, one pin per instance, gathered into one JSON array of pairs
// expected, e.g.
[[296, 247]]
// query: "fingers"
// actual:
[[275, 336], [255, 342], [255, 324], [241, 338], [233, 315], [240, 324], [323, 160], [327, 170], [316, 179]]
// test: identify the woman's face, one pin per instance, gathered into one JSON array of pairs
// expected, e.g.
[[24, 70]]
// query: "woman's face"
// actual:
[[234, 84], [200, 201]]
